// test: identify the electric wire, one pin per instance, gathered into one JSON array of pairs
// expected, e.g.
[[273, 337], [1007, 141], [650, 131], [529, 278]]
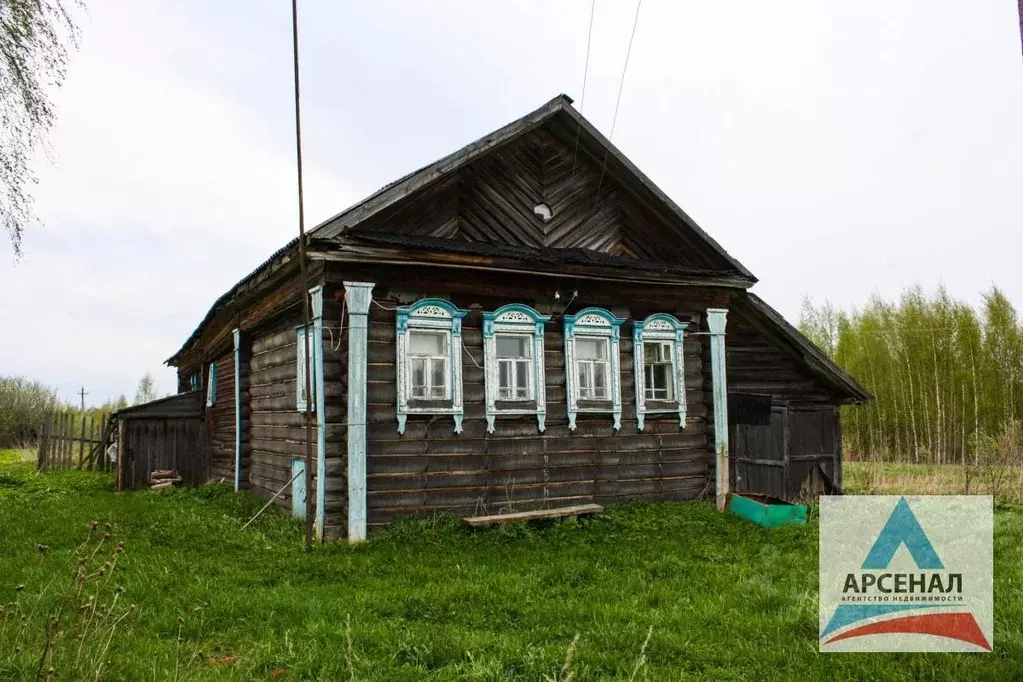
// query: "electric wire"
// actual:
[[618, 101]]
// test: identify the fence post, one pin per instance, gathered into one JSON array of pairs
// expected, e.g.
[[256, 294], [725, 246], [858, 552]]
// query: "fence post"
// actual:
[[81, 443], [58, 449], [69, 452], [54, 456], [69, 430], [50, 434], [101, 457], [53, 446], [44, 433]]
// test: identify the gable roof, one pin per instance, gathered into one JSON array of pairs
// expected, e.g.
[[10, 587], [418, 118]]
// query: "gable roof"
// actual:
[[561, 107], [802, 348], [343, 226]]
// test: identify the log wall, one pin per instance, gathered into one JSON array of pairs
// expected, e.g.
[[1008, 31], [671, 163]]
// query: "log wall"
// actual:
[[431, 469], [220, 423], [335, 382], [276, 426]]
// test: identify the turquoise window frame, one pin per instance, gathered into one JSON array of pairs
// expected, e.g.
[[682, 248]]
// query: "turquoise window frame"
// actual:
[[429, 314], [211, 386], [515, 319], [594, 323], [300, 404], [660, 327]]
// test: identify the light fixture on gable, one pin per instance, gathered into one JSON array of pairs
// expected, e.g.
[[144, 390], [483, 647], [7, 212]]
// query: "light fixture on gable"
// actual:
[[544, 211]]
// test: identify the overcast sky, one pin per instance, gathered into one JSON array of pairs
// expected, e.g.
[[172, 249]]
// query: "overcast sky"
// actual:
[[837, 149]]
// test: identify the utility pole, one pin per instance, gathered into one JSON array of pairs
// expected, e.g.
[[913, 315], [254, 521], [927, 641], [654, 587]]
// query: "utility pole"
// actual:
[[305, 290], [83, 393]]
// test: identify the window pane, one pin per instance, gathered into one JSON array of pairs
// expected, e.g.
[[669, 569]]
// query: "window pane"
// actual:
[[659, 384], [419, 378], [657, 351], [428, 343], [600, 381], [438, 377], [591, 349], [513, 346], [585, 388], [504, 379], [522, 379]]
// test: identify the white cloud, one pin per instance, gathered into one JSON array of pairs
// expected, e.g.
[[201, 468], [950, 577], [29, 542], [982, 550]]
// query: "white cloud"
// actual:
[[836, 149]]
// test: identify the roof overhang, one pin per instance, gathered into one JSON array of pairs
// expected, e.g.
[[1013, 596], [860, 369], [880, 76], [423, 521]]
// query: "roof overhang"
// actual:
[[396, 249], [771, 322]]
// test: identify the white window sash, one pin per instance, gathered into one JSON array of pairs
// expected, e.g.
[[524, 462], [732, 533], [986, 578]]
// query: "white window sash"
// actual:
[[429, 316], [602, 326], [666, 332], [516, 395]]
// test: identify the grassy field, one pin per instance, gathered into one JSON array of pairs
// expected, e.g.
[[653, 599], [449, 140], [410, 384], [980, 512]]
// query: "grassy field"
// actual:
[[930, 479], [653, 591]]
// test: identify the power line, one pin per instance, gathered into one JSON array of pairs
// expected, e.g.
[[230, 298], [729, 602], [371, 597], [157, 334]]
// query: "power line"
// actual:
[[618, 100], [586, 71]]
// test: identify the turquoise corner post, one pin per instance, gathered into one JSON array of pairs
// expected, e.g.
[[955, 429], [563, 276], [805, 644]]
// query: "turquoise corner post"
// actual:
[[359, 295], [237, 410], [716, 325], [316, 299]]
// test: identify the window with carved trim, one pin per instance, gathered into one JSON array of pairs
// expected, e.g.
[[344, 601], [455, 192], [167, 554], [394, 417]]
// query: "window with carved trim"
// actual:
[[592, 366], [514, 364], [660, 373], [429, 360]]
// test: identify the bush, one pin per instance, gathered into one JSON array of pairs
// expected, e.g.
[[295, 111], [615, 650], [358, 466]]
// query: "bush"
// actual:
[[24, 405]]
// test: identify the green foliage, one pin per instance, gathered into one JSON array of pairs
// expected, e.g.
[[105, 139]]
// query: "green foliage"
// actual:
[[24, 405], [34, 37], [147, 389], [945, 377], [431, 599]]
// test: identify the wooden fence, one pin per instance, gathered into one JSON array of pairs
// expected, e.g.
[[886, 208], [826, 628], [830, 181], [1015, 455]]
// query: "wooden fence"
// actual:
[[72, 440]]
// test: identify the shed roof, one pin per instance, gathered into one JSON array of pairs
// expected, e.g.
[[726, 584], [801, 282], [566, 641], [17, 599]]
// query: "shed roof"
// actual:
[[802, 348], [187, 404]]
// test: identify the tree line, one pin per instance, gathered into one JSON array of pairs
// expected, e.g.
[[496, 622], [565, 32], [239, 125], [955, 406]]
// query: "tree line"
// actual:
[[25, 404], [947, 378]]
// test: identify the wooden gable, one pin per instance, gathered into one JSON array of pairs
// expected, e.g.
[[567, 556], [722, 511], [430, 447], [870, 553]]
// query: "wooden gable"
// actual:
[[488, 191]]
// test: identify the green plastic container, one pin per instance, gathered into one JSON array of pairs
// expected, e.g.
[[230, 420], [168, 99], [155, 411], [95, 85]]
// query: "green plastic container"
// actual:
[[766, 510]]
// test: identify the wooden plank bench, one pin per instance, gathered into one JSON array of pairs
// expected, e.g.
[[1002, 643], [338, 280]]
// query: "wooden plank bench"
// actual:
[[558, 513]]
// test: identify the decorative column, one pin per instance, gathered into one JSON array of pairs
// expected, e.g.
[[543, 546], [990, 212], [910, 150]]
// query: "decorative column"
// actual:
[[358, 296], [716, 324], [237, 410], [316, 348]]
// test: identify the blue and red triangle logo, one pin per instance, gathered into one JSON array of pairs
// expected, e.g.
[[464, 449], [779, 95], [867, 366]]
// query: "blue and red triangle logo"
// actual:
[[902, 528]]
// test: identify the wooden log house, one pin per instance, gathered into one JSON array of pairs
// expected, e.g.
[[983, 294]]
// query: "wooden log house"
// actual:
[[527, 323]]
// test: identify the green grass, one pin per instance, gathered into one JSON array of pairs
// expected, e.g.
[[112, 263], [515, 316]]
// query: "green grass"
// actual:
[[727, 600], [900, 478]]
